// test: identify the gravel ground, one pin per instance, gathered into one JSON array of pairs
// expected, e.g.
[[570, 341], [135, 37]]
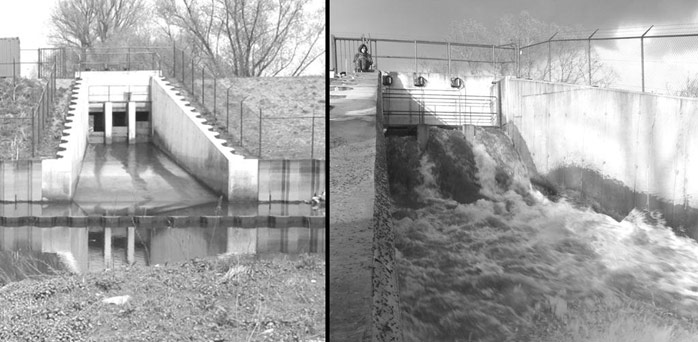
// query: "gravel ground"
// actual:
[[213, 299]]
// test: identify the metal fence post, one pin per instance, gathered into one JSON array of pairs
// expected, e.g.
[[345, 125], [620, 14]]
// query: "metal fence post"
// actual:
[[312, 136], [642, 56], [448, 50], [34, 133], [192, 78], [415, 57], [241, 101], [214, 97], [174, 62], [182, 59], [227, 110], [333, 49], [589, 54], [260, 133], [550, 65], [203, 99], [375, 53]]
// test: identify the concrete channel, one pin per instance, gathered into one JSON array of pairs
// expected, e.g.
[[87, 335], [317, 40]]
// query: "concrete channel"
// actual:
[[137, 161], [625, 150]]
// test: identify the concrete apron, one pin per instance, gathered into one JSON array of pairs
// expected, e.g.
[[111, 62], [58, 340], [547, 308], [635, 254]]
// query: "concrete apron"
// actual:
[[135, 179]]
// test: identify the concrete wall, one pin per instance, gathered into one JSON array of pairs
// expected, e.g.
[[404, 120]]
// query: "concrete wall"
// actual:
[[20, 180], [179, 131], [437, 96], [386, 297], [59, 176], [625, 148], [290, 180]]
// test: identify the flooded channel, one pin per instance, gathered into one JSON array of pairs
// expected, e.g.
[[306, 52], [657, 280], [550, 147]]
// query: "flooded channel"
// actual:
[[125, 182]]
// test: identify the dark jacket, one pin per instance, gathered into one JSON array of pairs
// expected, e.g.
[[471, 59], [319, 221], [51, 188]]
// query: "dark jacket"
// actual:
[[363, 55]]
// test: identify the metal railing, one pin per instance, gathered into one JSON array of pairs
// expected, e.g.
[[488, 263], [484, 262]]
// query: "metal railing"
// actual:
[[437, 107], [422, 56], [118, 93]]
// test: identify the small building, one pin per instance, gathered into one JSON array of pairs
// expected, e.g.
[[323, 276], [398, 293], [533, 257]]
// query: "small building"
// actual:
[[9, 57]]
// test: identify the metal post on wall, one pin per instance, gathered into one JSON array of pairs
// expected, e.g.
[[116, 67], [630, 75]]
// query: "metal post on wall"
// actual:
[[642, 56], [448, 50], [494, 64], [550, 65], [312, 137], [227, 110], [415, 57], [589, 54], [192, 78], [241, 101], [214, 97], [174, 61], [375, 53], [203, 101], [333, 49], [260, 133]]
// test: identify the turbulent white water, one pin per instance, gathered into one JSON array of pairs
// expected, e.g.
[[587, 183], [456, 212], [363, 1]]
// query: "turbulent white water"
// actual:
[[489, 269]]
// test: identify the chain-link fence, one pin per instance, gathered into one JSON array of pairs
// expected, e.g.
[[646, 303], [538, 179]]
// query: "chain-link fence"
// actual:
[[28, 105], [263, 132], [656, 59]]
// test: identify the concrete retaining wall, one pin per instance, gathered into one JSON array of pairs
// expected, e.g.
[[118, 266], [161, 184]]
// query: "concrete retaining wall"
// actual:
[[290, 180], [437, 97], [625, 149], [386, 296], [179, 131], [59, 176], [20, 180]]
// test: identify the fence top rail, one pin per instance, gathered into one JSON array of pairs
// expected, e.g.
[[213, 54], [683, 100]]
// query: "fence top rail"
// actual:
[[433, 42], [641, 36]]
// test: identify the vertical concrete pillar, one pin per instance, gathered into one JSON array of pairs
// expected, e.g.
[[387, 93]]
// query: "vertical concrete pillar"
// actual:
[[130, 245], [107, 248], [107, 122], [131, 122]]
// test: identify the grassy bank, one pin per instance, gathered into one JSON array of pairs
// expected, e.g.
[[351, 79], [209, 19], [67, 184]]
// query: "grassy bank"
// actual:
[[17, 100], [213, 299], [287, 105]]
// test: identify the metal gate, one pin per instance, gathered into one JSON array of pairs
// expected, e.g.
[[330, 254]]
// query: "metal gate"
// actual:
[[438, 107]]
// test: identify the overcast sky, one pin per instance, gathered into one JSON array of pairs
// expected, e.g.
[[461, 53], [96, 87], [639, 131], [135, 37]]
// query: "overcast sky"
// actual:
[[667, 61], [431, 19]]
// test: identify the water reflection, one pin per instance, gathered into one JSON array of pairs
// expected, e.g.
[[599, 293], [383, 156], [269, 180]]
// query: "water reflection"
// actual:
[[84, 249], [206, 209]]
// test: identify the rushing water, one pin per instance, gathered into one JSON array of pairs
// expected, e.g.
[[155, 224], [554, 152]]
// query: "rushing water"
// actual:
[[482, 256]]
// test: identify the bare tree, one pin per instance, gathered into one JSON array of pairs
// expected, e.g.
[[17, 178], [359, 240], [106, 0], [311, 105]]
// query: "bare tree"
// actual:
[[690, 89], [249, 37], [84, 23], [569, 60]]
